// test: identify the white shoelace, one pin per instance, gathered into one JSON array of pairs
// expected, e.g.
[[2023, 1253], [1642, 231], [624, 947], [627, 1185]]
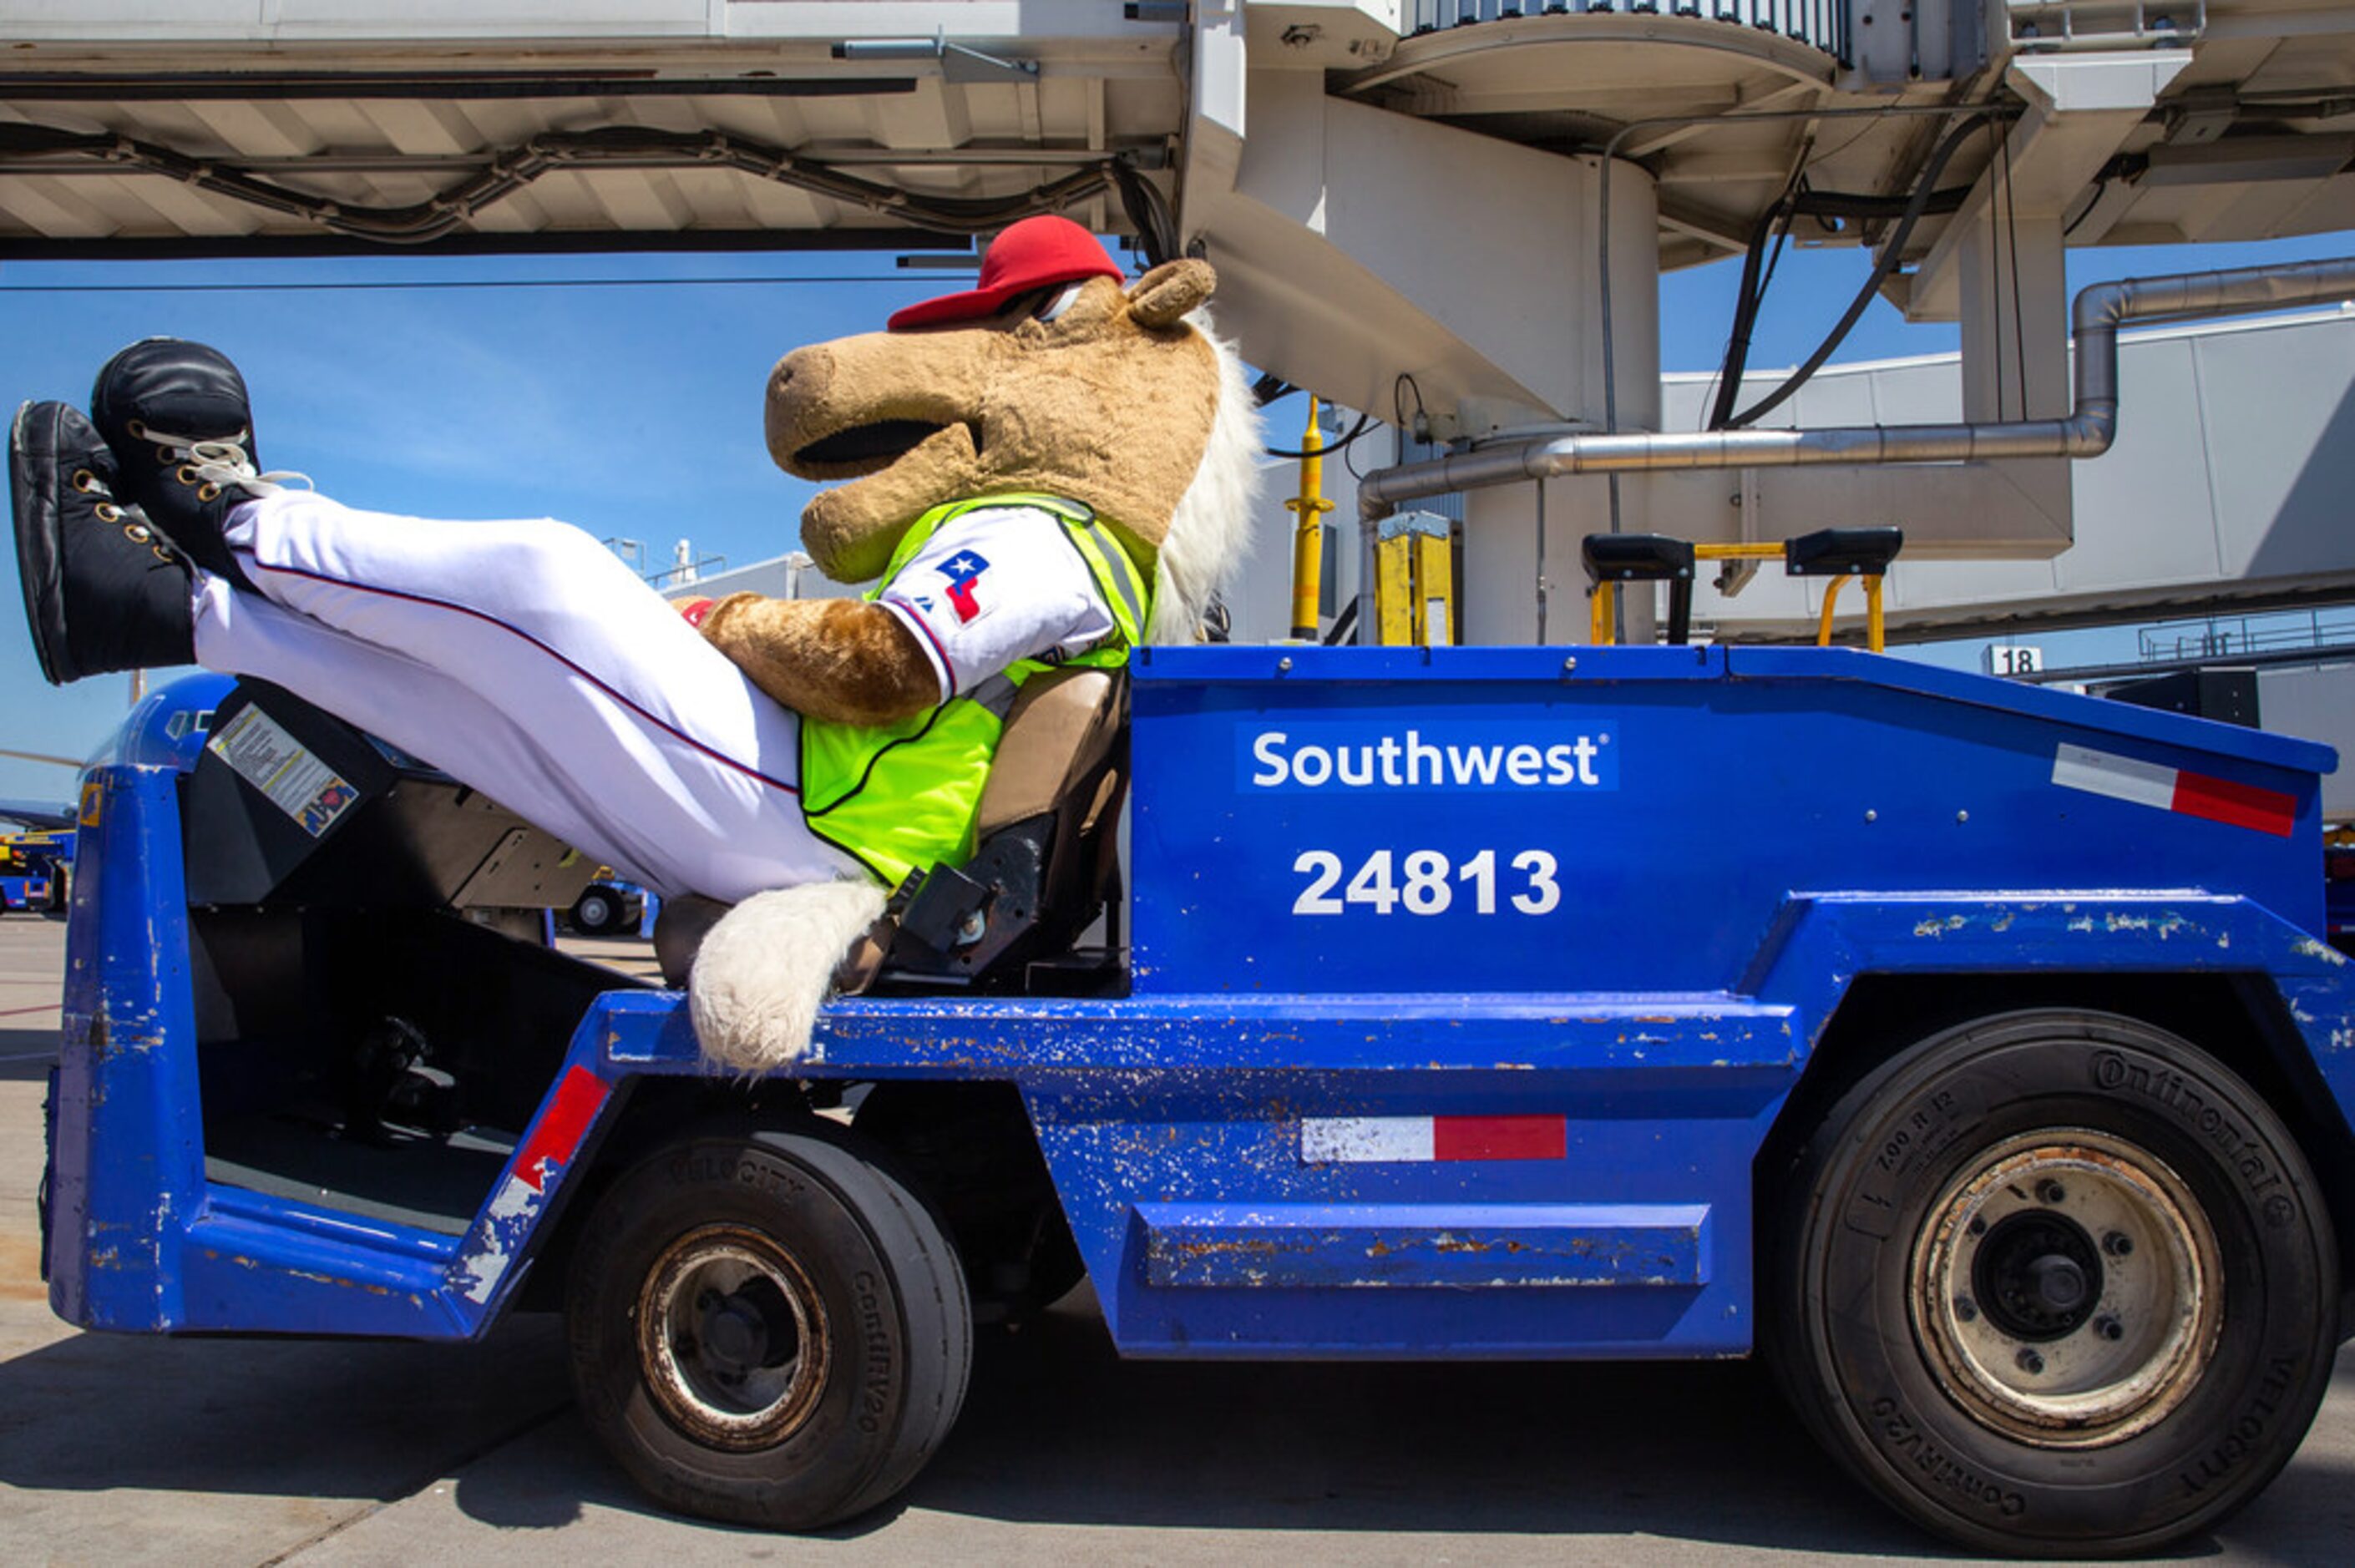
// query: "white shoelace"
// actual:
[[224, 464]]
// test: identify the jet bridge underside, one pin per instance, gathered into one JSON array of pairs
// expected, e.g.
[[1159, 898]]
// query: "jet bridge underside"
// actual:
[[1408, 199]]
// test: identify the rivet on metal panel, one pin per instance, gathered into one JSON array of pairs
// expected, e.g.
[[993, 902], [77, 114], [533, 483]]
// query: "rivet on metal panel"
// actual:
[[1962, 816], [1870, 815], [1284, 664], [1570, 664]]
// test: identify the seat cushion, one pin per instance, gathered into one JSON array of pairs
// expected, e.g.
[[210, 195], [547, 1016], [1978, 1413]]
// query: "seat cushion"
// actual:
[[1061, 724]]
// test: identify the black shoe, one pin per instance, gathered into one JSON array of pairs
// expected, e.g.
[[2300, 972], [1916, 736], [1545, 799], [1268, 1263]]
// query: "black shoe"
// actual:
[[176, 414], [104, 591]]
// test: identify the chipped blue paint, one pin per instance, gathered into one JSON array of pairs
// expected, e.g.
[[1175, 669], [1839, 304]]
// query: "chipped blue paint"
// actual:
[[1892, 820], [140, 1241], [1294, 1247], [1742, 774]]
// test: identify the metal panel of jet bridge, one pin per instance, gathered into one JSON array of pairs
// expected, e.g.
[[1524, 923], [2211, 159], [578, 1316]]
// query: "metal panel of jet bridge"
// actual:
[[2229, 487], [214, 127]]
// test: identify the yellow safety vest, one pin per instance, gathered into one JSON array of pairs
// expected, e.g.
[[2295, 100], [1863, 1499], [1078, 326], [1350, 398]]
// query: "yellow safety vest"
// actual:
[[900, 796]]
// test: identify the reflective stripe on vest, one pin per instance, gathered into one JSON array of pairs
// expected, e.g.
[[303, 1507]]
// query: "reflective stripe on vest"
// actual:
[[906, 795]]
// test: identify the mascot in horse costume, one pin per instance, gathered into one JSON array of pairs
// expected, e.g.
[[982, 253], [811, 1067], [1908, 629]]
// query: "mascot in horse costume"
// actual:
[[1046, 470]]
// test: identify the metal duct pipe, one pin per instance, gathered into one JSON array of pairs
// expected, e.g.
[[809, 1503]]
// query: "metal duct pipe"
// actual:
[[2085, 432]]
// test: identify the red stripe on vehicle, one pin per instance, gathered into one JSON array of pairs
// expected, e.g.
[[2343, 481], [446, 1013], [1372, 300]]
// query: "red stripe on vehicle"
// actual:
[[2238, 805], [561, 1126], [1498, 1138]]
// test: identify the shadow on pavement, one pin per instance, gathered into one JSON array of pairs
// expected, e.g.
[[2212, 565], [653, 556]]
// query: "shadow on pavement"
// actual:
[[1056, 1431], [357, 1419]]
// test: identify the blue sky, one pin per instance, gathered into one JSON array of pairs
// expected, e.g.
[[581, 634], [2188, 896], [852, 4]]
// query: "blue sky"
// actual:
[[623, 393]]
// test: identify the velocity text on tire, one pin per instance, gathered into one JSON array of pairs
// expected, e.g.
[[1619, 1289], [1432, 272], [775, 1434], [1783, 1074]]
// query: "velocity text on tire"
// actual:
[[2054, 1283], [769, 1328]]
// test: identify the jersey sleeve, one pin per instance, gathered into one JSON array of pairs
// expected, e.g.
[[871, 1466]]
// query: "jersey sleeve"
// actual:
[[995, 586]]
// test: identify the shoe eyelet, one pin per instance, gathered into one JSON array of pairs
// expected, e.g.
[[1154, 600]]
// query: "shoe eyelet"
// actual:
[[108, 511], [85, 480], [164, 555], [186, 474], [139, 531], [163, 453], [137, 429], [208, 491]]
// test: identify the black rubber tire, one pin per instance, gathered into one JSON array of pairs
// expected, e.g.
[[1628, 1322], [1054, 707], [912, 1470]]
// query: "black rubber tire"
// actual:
[[1851, 1212], [61, 901], [899, 1328], [597, 911]]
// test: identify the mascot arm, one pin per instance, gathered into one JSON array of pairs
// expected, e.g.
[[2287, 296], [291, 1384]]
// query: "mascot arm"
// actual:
[[834, 658]]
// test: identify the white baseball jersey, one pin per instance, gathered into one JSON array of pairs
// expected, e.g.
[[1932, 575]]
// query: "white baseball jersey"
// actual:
[[993, 586]]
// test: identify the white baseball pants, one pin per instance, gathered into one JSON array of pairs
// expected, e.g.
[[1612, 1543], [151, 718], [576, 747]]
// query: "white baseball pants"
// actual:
[[525, 659]]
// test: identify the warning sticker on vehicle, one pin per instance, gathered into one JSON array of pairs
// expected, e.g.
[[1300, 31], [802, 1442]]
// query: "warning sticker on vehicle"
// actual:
[[261, 751]]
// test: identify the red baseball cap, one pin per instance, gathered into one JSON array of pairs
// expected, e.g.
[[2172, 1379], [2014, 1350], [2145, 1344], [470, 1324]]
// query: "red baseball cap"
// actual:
[[1035, 253]]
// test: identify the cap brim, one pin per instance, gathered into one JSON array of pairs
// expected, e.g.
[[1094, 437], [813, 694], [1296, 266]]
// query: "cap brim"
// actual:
[[972, 306], [979, 305]]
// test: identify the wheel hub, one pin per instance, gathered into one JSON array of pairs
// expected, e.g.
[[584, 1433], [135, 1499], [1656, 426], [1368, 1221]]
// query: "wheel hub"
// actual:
[[2066, 1288], [2037, 1276], [732, 1337], [750, 1328]]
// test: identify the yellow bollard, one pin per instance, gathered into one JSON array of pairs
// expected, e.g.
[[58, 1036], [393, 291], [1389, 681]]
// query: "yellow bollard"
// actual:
[[1414, 583], [1308, 537], [1435, 591]]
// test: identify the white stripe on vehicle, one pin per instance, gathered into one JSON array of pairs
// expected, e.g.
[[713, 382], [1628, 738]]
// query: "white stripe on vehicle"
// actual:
[[2120, 777]]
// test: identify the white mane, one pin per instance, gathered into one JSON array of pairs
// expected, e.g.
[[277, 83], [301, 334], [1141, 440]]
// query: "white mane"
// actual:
[[1209, 531]]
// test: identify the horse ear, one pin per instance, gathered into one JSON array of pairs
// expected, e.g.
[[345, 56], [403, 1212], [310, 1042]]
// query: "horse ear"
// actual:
[[1165, 295]]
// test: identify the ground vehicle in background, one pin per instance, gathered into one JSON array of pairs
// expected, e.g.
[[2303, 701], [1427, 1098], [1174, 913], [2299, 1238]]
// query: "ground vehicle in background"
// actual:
[[608, 907], [36, 871], [1969, 1050]]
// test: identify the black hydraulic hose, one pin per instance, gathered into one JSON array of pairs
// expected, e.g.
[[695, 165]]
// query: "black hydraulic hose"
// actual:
[[1747, 299], [1146, 212], [1271, 386], [512, 168], [1914, 208], [1364, 421], [1752, 295]]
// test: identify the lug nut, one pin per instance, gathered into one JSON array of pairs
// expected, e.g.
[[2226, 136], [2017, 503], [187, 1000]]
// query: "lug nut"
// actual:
[[2031, 1363], [2118, 1244], [2110, 1329], [2051, 1191], [1966, 1309]]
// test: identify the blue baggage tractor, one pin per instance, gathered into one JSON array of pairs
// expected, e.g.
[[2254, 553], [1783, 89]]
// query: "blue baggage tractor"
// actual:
[[1970, 1051]]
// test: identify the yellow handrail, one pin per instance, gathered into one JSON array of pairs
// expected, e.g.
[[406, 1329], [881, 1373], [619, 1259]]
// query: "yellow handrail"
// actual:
[[1875, 629]]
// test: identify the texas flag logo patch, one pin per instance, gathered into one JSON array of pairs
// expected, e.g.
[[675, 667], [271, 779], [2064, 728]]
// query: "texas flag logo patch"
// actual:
[[963, 572]]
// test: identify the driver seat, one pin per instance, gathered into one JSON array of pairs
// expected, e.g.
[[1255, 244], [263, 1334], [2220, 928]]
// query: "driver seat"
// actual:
[[1046, 861]]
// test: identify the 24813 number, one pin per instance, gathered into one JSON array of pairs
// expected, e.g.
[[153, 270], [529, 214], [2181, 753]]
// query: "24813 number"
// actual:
[[1423, 882]]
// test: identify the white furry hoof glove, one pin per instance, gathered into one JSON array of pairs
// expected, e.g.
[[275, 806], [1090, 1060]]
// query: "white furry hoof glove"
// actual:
[[761, 974]]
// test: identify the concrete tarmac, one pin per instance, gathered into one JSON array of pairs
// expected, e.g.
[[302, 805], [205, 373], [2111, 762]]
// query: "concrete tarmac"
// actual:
[[126, 1450]]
